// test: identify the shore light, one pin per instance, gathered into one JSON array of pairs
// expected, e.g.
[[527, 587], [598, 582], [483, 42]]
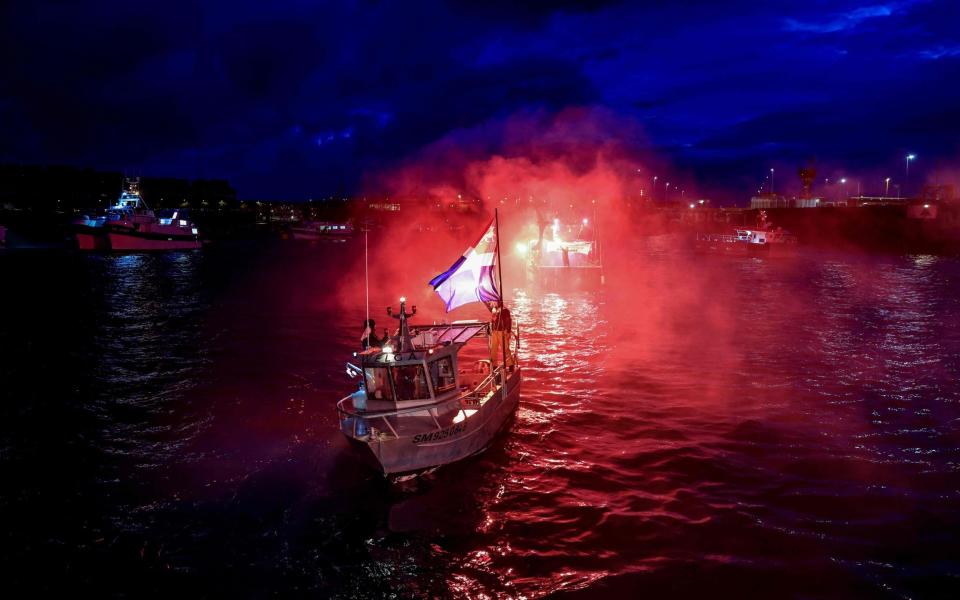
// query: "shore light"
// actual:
[[909, 157]]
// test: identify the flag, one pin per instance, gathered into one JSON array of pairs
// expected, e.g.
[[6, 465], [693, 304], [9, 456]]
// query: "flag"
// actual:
[[471, 278]]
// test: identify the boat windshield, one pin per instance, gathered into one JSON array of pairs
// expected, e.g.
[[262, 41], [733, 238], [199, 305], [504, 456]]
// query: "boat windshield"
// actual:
[[378, 386], [410, 382], [441, 372]]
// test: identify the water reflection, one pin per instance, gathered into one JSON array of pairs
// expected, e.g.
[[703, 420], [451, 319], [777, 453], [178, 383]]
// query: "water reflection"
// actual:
[[149, 352], [694, 427]]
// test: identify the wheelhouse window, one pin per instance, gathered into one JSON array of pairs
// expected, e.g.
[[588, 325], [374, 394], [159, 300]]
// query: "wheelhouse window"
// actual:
[[441, 372], [410, 382], [378, 383]]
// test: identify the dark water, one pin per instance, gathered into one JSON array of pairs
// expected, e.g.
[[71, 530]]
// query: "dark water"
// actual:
[[722, 428]]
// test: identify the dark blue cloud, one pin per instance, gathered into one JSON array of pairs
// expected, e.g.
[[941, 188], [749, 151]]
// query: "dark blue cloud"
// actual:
[[842, 21], [294, 99]]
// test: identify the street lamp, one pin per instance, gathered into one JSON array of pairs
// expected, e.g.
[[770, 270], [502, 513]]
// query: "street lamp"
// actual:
[[666, 192], [771, 181], [843, 182], [654, 188], [906, 178], [886, 189]]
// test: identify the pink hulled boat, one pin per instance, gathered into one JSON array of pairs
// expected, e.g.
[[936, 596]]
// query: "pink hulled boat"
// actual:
[[130, 225]]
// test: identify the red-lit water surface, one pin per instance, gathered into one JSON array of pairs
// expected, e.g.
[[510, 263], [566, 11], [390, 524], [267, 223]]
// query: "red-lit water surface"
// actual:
[[699, 427]]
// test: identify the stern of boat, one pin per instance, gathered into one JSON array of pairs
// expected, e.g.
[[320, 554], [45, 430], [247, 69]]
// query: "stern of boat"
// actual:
[[422, 438]]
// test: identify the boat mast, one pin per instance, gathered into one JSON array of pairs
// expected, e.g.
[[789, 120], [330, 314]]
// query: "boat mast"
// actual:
[[496, 229], [366, 275], [596, 229], [503, 339]]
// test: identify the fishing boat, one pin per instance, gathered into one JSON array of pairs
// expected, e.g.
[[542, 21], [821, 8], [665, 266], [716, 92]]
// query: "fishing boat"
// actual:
[[564, 256], [130, 225], [765, 240], [435, 394]]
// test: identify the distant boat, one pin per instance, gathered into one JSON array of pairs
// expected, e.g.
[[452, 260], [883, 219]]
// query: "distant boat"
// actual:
[[564, 257], [422, 403], [763, 241], [320, 230], [130, 225]]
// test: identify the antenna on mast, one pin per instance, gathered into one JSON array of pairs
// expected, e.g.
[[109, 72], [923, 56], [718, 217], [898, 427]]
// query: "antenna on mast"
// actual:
[[496, 229], [366, 269]]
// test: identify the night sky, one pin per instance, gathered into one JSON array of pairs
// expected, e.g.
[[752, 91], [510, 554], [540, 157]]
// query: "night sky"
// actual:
[[290, 100]]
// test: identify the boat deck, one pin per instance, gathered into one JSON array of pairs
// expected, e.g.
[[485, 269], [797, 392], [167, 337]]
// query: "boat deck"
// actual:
[[412, 421]]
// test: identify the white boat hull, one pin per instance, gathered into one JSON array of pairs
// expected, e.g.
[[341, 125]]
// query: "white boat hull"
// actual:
[[424, 451]]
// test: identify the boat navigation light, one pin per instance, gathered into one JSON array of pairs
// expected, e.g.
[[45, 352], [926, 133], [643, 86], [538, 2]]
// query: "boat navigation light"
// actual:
[[403, 299], [585, 221], [926, 206]]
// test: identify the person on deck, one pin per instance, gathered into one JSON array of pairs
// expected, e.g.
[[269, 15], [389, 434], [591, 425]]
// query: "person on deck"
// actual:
[[501, 326], [369, 337]]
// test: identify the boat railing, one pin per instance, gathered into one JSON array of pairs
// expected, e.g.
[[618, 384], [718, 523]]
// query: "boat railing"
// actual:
[[716, 237], [385, 423]]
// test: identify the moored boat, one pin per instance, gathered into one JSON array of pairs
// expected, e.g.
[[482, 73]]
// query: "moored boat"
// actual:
[[130, 225], [763, 241], [143, 230], [320, 230]]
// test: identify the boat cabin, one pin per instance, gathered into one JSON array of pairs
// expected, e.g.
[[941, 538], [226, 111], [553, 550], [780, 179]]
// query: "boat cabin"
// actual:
[[426, 373]]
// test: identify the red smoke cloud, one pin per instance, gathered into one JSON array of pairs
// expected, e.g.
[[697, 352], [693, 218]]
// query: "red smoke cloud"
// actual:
[[579, 163]]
